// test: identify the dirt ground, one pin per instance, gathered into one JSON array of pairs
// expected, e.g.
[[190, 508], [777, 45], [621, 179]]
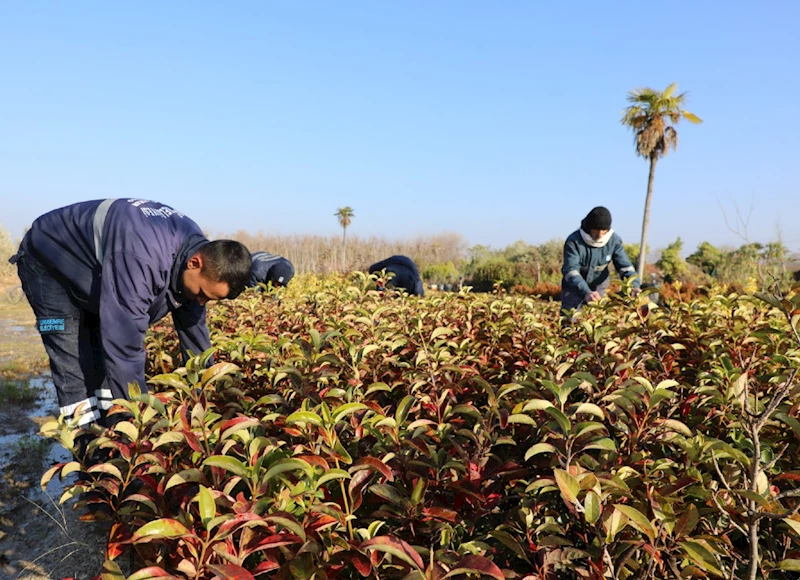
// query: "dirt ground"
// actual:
[[39, 539]]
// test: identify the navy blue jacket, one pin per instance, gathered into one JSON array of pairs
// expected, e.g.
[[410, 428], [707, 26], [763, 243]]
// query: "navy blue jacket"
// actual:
[[586, 268], [270, 268], [405, 272], [133, 278]]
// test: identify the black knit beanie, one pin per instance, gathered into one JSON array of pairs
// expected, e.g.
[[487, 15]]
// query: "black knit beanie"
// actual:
[[597, 219]]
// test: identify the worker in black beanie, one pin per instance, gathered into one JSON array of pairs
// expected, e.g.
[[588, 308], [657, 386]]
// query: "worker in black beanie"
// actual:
[[587, 253]]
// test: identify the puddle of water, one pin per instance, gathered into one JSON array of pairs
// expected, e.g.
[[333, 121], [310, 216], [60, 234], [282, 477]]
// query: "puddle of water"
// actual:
[[45, 405]]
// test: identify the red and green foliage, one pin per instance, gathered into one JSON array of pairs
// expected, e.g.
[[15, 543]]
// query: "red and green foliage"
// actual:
[[347, 433]]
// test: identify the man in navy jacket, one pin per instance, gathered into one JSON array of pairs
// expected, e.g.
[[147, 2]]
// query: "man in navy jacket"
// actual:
[[406, 274], [588, 252], [97, 273], [270, 268]]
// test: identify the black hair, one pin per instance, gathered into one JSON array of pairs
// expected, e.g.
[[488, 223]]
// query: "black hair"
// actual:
[[227, 261]]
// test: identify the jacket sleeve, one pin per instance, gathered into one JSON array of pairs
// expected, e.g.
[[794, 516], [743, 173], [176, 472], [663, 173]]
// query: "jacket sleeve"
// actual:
[[190, 324], [125, 298], [571, 269], [622, 263]]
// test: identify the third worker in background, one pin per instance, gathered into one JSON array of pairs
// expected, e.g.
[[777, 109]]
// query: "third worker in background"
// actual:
[[588, 252], [406, 274], [270, 268]]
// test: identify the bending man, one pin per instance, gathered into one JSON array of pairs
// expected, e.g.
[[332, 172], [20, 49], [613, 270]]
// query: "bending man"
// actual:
[[406, 274], [97, 273], [270, 268]]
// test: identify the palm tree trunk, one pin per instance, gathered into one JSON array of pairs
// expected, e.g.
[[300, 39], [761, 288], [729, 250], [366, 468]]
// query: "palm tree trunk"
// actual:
[[344, 248], [646, 218]]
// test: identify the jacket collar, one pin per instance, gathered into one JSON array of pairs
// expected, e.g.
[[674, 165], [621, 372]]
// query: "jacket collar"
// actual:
[[191, 244]]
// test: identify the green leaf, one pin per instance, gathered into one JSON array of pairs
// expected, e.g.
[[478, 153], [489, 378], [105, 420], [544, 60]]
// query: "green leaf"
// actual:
[[169, 380], [752, 496], [441, 331], [160, 529], [539, 448], [108, 469], [790, 421], [790, 565], [560, 418], [285, 465], [603, 443], [208, 509], [591, 409], [216, 372], [403, 409], [389, 493], [660, 394], [347, 409], [677, 426], [701, 556], [536, 405], [130, 431], [521, 418], [289, 523], [793, 524], [569, 486], [304, 417], [475, 565], [510, 542], [591, 507], [397, 548], [638, 520], [687, 521], [332, 474], [614, 524], [230, 464]]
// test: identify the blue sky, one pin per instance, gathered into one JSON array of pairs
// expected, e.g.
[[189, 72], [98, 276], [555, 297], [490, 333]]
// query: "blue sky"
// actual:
[[496, 120]]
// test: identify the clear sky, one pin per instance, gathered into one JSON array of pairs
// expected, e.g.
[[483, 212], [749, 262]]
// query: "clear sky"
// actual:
[[498, 120]]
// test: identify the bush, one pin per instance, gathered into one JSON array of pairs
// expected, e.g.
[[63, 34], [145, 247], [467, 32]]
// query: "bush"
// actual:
[[544, 290], [7, 249]]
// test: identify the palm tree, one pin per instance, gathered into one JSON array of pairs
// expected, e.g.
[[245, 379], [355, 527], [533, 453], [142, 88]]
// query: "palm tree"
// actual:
[[651, 116], [344, 216]]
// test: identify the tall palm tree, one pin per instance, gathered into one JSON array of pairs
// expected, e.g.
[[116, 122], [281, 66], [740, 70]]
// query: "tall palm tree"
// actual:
[[651, 116], [344, 215]]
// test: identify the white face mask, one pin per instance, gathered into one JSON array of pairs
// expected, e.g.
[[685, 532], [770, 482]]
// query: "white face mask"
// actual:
[[599, 243]]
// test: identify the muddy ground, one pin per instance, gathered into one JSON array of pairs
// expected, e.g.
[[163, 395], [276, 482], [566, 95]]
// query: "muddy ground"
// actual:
[[39, 539]]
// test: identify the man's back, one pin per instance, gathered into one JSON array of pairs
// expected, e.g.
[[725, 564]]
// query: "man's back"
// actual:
[[79, 245], [406, 274]]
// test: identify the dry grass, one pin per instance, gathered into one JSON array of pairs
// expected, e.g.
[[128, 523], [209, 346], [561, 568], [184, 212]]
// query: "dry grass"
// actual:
[[21, 350]]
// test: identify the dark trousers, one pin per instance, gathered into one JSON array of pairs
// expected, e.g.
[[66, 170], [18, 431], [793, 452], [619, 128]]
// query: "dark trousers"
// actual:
[[71, 337]]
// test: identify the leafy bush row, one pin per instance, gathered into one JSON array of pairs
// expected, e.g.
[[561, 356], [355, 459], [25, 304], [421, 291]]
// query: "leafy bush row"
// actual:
[[346, 433]]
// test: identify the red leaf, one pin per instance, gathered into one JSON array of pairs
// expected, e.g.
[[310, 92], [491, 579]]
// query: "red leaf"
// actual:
[[377, 465], [476, 564], [266, 566], [396, 547], [441, 513], [193, 441], [274, 541], [230, 572], [322, 521], [153, 572], [314, 461], [356, 487], [361, 564]]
